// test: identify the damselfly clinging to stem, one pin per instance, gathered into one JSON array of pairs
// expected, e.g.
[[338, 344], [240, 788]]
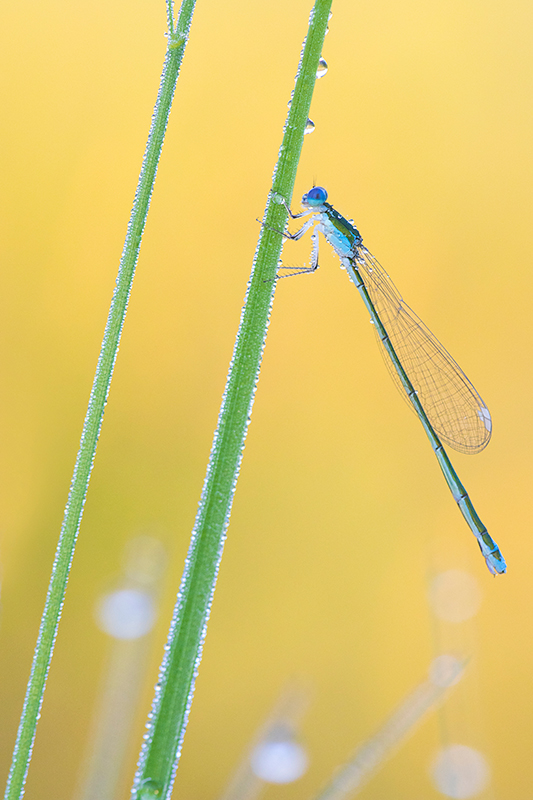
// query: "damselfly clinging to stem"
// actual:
[[441, 395]]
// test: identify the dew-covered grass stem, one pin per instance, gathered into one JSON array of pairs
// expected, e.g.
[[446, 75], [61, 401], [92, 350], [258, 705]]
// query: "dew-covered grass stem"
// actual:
[[170, 708], [177, 39]]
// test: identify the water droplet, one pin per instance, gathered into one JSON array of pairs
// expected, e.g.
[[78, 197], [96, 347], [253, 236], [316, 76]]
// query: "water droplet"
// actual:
[[455, 595], [327, 31], [322, 68], [446, 670], [281, 761], [460, 771], [149, 790], [126, 613], [309, 126]]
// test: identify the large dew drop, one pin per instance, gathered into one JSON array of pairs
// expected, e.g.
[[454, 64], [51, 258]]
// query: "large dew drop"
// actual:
[[126, 613], [460, 772], [309, 126], [149, 790], [455, 595], [446, 670], [322, 68], [282, 761]]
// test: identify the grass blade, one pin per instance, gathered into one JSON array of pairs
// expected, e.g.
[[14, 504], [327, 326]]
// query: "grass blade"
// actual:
[[93, 420], [170, 708], [370, 756]]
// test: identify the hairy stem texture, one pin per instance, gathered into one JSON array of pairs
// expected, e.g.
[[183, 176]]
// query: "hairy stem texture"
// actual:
[[95, 411], [168, 718]]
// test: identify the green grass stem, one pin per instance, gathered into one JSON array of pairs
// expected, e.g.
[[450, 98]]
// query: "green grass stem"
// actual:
[[170, 708], [177, 40]]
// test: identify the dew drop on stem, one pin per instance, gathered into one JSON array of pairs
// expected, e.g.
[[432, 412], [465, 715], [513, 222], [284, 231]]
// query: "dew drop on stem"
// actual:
[[149, 790], [322, 68]]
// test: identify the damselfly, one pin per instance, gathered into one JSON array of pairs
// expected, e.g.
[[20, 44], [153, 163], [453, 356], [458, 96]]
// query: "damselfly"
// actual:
[[434, 385]]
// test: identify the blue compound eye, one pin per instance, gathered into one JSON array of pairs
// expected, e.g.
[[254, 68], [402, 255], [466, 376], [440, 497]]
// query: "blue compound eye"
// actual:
[[315, 196]]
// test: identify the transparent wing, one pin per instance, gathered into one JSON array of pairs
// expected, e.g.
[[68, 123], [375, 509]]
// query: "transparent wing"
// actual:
[[454, 408]]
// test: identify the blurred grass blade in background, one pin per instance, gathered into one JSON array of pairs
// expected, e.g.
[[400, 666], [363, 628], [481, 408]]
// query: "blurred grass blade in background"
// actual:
[[173, 696], [127, 614], [274, 755], [177, 40], [445, 672]]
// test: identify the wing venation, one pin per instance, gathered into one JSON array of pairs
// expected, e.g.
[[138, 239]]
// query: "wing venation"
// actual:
[[454, 408]]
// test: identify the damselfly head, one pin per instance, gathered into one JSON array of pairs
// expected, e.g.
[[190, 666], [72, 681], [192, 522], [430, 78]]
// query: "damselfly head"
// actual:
[[316, 196]]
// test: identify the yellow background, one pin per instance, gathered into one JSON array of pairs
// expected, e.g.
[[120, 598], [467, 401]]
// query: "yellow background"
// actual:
[[423, 136]]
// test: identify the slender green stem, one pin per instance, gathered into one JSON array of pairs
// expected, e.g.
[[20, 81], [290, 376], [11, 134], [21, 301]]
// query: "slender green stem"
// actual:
[[170, 16], [166, 728], [95, 411]]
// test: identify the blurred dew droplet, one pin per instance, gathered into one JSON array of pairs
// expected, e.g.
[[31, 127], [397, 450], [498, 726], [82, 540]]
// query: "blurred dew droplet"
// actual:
[[309, 126], [446, 670], [455, 595], [281, 761], [460, 772], [126, 613]]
